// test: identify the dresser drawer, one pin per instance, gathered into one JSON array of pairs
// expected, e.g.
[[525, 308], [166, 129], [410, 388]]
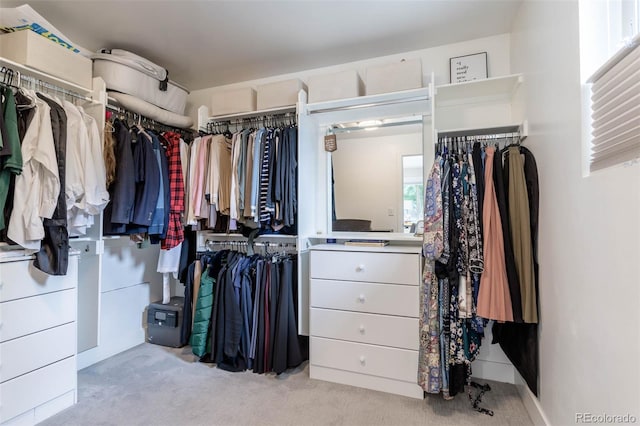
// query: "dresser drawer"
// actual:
[[25, 316], [28, 353], [33, 389], [386, 299], [392, 363], [21, 279], [395, 268], [399, 332]]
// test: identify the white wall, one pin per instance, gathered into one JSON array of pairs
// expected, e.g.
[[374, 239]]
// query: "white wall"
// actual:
[[129, 283], [368, 178], [589, 242], [434, 59]]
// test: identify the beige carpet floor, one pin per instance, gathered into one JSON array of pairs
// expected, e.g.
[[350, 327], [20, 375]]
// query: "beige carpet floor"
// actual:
[[154, 385]]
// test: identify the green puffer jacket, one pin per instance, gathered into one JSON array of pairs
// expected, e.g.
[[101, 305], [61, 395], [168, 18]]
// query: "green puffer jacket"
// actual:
[[199, 342]]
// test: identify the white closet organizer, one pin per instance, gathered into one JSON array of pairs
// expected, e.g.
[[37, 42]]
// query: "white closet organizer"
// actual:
[[490, 106], [364, 317], [37, 339], [364, 301], [90, 245], [305, 183], [110, 305]]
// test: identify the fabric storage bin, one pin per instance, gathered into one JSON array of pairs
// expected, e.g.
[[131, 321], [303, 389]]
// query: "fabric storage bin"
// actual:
[[279, 94], [396, 77], [128, 73], [33, 50], [151, 111], [340, 85], [233, 101]]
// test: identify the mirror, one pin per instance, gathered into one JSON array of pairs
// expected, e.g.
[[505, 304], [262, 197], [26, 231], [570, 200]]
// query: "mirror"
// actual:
[[377, 177]]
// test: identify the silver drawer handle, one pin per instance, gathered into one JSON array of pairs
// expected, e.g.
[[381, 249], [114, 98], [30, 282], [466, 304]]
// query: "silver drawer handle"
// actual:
[[361, 298], [360, 268], [362, 329], [362, 360]]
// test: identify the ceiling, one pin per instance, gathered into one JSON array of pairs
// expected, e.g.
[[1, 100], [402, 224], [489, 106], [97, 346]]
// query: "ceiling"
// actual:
[[211, 43]]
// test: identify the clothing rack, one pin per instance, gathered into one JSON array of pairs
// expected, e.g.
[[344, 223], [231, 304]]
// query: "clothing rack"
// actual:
[[457, 139], [30, 82], [249, 247], [217, 126]]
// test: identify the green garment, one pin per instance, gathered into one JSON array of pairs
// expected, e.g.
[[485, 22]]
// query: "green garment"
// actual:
[[11, 164], [200, 343]]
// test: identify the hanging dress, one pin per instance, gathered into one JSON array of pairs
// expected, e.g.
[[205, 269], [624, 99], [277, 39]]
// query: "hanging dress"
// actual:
[[494, 300]]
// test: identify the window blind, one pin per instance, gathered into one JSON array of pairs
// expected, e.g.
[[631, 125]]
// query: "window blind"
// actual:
[[615, 97]]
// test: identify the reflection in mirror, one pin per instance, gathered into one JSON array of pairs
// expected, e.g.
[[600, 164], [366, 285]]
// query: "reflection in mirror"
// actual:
[[372, 187], [412, 190]]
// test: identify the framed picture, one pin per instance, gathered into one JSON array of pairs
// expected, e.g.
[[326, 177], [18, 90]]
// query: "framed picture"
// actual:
[[468, 67]]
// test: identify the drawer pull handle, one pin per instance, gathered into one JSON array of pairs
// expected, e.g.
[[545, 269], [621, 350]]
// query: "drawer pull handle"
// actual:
[[362, 360], [360, 268], [362, 329], [361, 298]]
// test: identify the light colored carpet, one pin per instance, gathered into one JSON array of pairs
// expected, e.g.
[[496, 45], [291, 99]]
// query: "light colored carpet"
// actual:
[[154, 385]]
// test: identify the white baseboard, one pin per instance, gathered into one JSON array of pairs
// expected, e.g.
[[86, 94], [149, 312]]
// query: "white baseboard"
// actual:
[[531, 402], [491, 370]]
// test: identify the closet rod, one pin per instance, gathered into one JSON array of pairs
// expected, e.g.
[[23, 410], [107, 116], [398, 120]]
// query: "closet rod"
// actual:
[[24, 81], [253, 114], [348, 105], [267, 244], [480, 132]]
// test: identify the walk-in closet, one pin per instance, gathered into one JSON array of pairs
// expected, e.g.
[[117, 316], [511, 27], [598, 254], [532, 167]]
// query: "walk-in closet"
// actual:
[[319, 212]]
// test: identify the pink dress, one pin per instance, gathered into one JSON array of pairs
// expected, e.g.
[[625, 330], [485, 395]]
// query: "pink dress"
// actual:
[[494, 300]]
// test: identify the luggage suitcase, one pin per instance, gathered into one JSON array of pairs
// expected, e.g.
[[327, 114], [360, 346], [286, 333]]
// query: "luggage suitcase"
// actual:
[[128, 73], [164, 323]]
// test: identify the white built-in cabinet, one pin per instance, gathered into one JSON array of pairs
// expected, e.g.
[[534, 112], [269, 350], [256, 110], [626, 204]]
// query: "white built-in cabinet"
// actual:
[[364, 316], [113, 283], [490, 106], [356, 337], [38, 321]]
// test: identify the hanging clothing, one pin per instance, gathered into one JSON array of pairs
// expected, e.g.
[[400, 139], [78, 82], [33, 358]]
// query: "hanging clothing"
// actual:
[[521, 234], [519, 341], [119, 211], [175, 230], [494, 300], [53, 256], [503, 208], [10, 165], [253, 322], [465, 276], [37, 188]]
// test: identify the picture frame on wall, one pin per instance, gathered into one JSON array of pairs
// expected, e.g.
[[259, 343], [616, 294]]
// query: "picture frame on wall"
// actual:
[[468, 67]]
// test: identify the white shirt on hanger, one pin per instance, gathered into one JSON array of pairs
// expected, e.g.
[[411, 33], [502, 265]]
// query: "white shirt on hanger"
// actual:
[[38, 187]]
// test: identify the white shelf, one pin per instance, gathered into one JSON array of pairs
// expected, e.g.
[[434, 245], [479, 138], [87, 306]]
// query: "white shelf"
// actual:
[[391, 98], [40, 75], [389, 236], [471, 91]]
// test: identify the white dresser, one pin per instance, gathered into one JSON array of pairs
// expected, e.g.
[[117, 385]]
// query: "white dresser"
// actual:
[[38, 375], [364, 316]]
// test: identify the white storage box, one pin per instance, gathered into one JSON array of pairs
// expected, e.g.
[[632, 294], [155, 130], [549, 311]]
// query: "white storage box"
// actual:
[[396, 77], [233, 101], [340, 85], [36, 51], [124, 73], [279, 94]]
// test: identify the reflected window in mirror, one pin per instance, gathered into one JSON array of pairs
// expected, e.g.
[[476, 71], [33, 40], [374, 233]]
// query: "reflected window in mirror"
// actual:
[[412, 192], [368, 178]]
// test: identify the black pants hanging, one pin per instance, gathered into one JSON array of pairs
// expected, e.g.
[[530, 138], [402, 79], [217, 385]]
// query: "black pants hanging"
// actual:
[[53, 257]]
